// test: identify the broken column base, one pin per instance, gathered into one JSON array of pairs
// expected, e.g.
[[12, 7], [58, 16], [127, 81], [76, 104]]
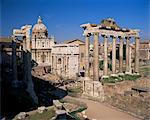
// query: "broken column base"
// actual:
[[136, 74], [121, 74], [93, 89], [128, 73], [114, 75], [105, 76]]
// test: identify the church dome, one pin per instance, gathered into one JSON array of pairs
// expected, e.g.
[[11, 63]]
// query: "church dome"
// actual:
[[39, 30]]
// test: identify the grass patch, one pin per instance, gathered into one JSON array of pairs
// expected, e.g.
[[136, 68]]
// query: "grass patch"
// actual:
[[113, 79], [130, 77], [145, 71], [46, 115], [74, 91], [81, 107], [74, 113], [73, 101]]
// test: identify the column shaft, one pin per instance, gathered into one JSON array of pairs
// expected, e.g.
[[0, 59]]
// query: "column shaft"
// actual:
[[137, 42], [14, 60], [0, 57], [105, 56], [130, 59], [30, 85], [114, 55], [127, 54], [96, 58], [87, 43], [121, 55]]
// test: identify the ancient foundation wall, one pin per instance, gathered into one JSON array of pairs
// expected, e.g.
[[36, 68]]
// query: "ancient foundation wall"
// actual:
[[122, 96]]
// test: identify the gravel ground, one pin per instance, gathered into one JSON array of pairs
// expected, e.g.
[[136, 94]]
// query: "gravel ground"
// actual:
[[100, 111]]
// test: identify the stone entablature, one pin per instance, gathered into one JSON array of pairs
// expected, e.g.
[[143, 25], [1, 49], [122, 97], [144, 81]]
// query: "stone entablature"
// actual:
[[109, 27], [68, 49]]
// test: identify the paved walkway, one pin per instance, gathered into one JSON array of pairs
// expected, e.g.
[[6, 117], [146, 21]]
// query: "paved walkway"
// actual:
[[100, 111]]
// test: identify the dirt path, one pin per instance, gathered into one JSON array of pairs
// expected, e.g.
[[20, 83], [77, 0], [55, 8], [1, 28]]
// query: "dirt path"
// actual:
[[100, 111]]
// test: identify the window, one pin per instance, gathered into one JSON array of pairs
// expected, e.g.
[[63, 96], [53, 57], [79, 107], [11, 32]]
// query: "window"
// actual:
[[59, 61]]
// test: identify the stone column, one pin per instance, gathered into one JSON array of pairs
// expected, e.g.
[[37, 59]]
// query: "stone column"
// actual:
[[52, 64], [35, 57], [127, 54], [121, 55], [105, 71], [64, 62], [96, 58], [30, 85], [56, 64], [66, 65], [130, 59], [114, 56], [87, 44], [0, 57], [137, 42], [14, 63]]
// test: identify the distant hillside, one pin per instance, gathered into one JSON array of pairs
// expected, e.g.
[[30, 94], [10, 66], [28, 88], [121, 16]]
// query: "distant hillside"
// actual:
[[4, 39]]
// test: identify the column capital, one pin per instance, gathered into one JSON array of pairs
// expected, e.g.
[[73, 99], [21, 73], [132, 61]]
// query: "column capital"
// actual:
[[113, 36], [121, 37], [95, 33], [87, 35], [137, 37], [14, 38], [127, 37], [104, 35]]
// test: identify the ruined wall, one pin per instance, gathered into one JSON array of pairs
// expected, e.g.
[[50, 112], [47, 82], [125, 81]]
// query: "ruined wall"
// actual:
[[123, 97]]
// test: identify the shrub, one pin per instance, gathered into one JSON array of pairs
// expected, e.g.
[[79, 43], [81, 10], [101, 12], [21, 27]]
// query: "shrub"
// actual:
[[113, 79]]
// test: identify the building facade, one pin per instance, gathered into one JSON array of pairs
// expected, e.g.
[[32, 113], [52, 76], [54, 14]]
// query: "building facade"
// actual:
[[145, 52], [41, 44], [63, 59]]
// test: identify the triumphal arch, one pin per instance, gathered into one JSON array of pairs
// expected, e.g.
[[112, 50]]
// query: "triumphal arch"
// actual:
[[108, 29]]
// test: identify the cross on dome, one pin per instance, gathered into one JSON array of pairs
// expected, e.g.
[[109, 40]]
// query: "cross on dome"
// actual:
[[39, 20]]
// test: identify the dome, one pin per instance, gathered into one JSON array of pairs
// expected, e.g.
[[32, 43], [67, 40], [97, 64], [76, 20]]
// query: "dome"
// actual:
[[39, 29]]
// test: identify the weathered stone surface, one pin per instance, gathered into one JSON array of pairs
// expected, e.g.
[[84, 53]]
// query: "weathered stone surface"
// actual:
[[58, 104], [61, 112], [41, 109], [21, 115], [93, 89], [123, 97]]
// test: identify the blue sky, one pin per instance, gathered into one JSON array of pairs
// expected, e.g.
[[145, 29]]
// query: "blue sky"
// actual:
[[64, 17]]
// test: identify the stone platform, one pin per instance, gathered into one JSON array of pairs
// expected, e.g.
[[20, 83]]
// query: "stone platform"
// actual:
[[93, 89]]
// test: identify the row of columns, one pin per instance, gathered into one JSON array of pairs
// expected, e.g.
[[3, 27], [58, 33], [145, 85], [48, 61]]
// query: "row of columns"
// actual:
[[96, 55]]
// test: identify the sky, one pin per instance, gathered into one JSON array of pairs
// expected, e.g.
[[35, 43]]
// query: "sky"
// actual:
[[64, 17]]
